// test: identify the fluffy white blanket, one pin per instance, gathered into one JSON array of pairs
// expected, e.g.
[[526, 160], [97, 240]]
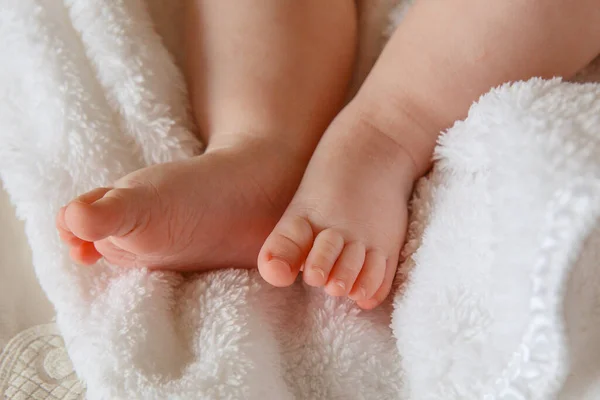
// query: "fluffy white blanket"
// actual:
[[499, 297]]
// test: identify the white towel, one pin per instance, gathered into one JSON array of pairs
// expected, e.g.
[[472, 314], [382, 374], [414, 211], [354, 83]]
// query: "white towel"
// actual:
[[500, 299], [503, 294]]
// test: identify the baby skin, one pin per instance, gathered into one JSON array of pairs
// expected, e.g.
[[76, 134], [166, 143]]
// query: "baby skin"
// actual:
[[265, 80], [265, 83]]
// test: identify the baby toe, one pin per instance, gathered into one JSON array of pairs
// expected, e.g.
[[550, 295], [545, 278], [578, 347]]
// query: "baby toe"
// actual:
[[371, 276], [325, 251], [384, 290], [117, 256], [78, 217], [104, 212], [346, 269], [85, 253], [92, 195], [64, 232], [285, 250]]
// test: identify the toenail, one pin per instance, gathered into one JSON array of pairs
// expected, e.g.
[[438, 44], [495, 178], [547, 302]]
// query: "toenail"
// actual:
[[363, 292], [277, 263], [318, 271], [340, 284]]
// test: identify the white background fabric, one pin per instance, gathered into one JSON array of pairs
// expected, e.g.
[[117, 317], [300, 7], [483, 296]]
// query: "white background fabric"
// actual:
[[22, 301]]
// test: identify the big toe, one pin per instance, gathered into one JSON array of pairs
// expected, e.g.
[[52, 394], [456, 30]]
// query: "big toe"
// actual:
[[103, 213], [285, 251]]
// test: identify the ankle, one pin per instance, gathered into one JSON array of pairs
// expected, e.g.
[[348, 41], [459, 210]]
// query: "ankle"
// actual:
[[403, 125], [398, 143], [274, 144]]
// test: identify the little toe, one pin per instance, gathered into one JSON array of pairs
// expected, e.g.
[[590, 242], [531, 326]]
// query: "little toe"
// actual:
[[346, 269], [371, 276], [285, 250], [384, 290], [85, 254], [325, 251], [115, 213]]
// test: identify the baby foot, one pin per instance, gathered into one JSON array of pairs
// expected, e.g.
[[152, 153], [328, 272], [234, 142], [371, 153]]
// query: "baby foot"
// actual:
[[211, 211], [347, 221]]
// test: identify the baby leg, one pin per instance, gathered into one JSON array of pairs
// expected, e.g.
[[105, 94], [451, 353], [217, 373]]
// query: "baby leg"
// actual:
[[268, 69], [347, 221], [265, 78]]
